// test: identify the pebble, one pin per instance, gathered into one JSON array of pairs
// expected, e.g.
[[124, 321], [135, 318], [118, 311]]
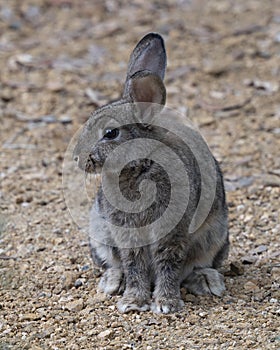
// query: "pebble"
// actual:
[[25, 204], [267, 86], [24, 59], [190, 298], [85, 268], [248, 218], [55, 86], [91, 332], [65, 119], [275, 272], [249, 259], [240, 207], [277, 37], [57, 231], [259, 250], [217, 94], [251, 287], [153, 321], [97, 298], [236, 268], [276, 18], [78, 283], [104, 334], [49, 118], [93, 96], [68, 279], [116, 324], [29, 317], [6, 95], [76, 305]]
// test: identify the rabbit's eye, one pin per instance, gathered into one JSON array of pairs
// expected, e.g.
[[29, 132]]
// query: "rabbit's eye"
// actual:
[[111, 133]]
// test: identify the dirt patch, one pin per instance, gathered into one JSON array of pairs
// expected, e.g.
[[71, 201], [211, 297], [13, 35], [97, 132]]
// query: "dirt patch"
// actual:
[[59, 60]]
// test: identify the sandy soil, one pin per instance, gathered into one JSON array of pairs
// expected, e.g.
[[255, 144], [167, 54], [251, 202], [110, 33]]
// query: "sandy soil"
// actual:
[[59, 60]]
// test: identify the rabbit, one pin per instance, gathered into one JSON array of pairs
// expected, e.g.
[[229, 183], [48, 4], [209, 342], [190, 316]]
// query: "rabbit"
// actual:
[[147, 269]]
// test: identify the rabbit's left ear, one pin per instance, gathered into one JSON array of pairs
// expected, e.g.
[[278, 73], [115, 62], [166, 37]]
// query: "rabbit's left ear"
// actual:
[[146, 69], [149, 54], [146, 87]]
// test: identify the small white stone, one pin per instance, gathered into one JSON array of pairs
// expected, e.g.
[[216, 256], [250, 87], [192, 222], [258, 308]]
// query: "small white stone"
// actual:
[[240, 207], [104, 334]]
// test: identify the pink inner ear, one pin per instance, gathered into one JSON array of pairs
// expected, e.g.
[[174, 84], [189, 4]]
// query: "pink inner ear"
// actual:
[[148, 89]]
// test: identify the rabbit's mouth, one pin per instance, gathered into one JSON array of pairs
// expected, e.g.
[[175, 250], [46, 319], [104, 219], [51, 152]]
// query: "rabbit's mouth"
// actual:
[[87, 163], [92, 166]]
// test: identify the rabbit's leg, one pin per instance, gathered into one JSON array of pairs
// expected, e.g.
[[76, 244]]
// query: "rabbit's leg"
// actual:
[[112, 281], [105, 255], [168, 265], [205, 281], [138, 281], [207, 251]]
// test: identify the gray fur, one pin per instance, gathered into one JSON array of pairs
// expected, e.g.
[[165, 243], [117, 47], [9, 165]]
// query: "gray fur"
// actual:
[[150, 276]]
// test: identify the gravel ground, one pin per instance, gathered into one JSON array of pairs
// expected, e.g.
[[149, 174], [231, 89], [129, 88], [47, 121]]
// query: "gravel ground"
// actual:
[[59, 60]]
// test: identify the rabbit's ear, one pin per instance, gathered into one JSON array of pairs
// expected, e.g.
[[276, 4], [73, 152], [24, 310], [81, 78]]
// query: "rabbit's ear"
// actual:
[[146, 87], [149, 54]]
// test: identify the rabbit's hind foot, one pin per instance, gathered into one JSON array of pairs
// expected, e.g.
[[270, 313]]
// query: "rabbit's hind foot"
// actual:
[[205, 281]]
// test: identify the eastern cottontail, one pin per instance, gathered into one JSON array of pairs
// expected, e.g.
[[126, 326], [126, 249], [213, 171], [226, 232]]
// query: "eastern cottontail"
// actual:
[[152, 233]]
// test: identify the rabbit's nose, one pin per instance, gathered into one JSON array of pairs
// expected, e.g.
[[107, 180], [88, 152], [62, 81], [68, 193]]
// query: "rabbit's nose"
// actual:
[[76, 158]]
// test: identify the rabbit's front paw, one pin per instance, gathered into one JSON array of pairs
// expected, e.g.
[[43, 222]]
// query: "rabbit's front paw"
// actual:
[[205, 281], [131, 303], [111, 282], [167, 305]]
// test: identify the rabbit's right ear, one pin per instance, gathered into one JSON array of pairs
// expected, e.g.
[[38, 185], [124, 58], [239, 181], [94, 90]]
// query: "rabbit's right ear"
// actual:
[[149, 55]]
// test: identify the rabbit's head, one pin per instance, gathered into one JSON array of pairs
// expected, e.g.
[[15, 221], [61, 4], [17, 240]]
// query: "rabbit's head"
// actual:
[[127, 118]]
